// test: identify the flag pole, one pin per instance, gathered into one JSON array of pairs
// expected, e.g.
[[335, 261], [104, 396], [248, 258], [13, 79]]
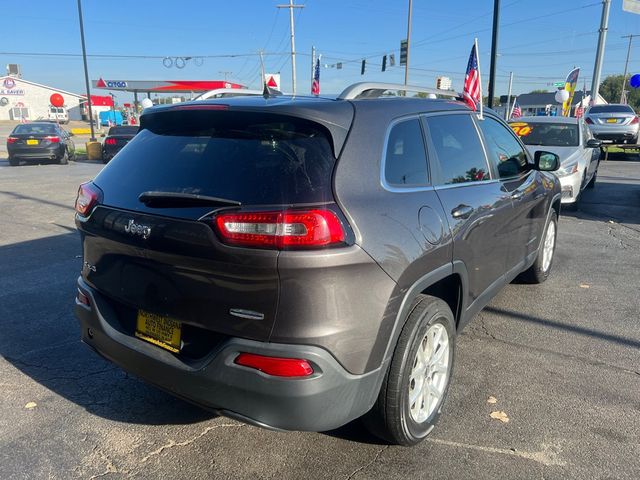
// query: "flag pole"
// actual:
[[475, 42]]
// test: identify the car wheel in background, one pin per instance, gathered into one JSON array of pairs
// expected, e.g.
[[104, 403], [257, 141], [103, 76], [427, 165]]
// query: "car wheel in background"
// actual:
[[539, 271], [416, 384], [64, 159], [592, 182]]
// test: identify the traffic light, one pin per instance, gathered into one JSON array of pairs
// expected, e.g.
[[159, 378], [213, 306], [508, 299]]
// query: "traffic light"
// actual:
[[404, 45], [363, 67], [384, 63]]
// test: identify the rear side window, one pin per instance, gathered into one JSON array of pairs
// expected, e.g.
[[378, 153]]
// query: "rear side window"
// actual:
[[405, 158], [457, 145], [505, 152], [254, 159]]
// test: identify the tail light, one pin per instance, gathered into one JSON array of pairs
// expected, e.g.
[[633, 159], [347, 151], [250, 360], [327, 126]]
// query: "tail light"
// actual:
[[12, 139], [279, 367], [589, 121], [281, 230], [110, 141], [634, 120], [88, 196], [53, 138]]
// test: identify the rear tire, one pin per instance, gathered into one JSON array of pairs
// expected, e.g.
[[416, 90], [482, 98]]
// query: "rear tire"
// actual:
[[14, 162], [64, 159], [539, 271], [417, 381]]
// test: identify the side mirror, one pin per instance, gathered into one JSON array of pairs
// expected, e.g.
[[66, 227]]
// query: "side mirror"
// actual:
[[594, 143], [546, 161]]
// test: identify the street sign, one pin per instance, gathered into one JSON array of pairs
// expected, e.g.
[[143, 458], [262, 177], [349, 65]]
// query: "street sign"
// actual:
[[558, 84], [403, 52]]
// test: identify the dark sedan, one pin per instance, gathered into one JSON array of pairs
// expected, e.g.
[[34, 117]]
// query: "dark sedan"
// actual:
[[40, 141], [117, 138]]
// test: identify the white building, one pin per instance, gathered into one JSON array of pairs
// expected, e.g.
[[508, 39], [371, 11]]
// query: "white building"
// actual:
[[21, 98]]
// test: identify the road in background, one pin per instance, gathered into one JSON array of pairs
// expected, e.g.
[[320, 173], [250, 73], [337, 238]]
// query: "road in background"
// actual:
[[561, 359]]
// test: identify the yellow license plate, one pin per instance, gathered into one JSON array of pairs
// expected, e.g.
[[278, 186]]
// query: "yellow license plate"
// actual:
[[611, 120], [32, 142], [161, 331]]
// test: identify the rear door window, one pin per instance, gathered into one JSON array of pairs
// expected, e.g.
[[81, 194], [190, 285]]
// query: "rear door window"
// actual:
[[457, 145], [405, 158], [255, 159], [504, 150]]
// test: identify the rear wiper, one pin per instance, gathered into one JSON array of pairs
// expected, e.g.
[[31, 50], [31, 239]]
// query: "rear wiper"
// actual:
[[178, 200]]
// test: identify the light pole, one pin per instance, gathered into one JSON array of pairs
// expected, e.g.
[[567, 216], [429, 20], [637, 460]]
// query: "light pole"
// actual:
[[602, 38], [86, 72], [623, 97], [494, 52], [406, 65]]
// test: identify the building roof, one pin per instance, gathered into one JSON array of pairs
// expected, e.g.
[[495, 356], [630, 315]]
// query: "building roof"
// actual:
[[541, 99], [545, 119], [18, 79]]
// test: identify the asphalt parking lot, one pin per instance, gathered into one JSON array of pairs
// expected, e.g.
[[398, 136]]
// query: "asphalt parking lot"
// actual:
[[562, 361]]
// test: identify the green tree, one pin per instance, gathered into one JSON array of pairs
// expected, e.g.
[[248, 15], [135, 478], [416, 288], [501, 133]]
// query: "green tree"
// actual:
[[611, 87]]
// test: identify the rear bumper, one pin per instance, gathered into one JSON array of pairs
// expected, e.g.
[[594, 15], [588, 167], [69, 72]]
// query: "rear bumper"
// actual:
[[614, 133], [327, 399], [36, 153]]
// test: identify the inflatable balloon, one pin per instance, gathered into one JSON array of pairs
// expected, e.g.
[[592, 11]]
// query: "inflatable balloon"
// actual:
[[56, 100], [562, 96], [146, 103]]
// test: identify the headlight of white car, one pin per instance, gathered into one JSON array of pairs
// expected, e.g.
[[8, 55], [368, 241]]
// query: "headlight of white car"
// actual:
[[567, 169]]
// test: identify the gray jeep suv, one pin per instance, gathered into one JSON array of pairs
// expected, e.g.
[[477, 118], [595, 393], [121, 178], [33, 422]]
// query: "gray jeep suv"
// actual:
[[297, 263]]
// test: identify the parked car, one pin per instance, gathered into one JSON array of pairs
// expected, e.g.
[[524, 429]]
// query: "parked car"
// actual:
[[613, 122], [572, 141], [115, 141], [40, 141], [58, 115], [297, 263]]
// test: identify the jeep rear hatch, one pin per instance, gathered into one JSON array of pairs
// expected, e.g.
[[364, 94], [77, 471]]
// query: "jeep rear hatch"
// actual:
[[192, 213]]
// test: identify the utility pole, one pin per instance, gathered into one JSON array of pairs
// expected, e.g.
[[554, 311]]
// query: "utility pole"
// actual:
[[291, 6], [506, 113], [494, 51], [623, 96], [602, 38], [86, 73], [406, 66]]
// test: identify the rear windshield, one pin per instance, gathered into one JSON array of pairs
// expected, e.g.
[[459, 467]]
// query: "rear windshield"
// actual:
[[254, 159], [123, 130], [611, 109], [543, 133], [36, 129]]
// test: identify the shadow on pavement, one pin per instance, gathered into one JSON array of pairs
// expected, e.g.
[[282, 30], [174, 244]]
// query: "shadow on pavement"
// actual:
[[40, 337], [610, 200], [590, 332]]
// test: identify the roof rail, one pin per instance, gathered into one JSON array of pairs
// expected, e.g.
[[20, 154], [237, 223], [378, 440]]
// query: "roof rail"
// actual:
[[376, 89]]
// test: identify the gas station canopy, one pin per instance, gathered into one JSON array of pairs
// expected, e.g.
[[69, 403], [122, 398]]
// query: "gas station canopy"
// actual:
[[163, 86]]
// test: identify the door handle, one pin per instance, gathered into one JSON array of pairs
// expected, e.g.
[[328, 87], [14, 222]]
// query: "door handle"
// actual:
[[517, 195], [462, 211]]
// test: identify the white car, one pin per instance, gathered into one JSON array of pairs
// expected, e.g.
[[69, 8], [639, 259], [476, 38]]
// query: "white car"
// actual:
[[572, 141]]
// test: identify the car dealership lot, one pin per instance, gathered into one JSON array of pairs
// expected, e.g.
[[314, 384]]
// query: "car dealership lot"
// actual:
[[561, 359]]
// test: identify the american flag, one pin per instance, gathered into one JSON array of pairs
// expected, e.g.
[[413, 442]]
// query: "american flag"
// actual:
[[471, 92], [517, 111], [315, 85]]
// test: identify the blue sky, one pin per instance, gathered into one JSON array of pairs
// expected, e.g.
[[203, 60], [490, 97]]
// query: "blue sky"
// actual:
[[540, 40]]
